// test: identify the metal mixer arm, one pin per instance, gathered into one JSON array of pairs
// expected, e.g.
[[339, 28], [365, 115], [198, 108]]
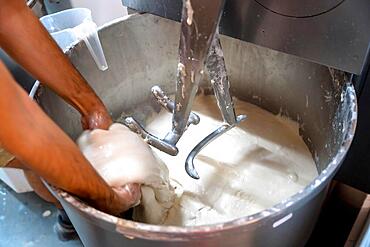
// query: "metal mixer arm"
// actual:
[[199, 23], [199, 44]]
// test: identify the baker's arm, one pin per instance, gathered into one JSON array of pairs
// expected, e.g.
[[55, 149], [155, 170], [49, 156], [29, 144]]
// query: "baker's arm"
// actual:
[[28, 133], [24, 38]]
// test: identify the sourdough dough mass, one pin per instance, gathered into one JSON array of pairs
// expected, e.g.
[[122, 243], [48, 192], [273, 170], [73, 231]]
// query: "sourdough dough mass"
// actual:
[[121, 157], [252, 167], [255, 165]]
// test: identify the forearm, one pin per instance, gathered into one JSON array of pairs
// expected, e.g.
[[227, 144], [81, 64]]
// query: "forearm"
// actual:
[[24, 38], [36, 141]]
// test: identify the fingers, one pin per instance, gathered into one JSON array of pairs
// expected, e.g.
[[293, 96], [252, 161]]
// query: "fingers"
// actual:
[[130, 195], [97, 120]]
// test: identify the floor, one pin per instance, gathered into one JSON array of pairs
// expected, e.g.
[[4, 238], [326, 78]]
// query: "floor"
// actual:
[[26, 221]]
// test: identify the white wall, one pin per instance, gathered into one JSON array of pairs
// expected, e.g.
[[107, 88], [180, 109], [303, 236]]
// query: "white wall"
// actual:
[[102, 10]]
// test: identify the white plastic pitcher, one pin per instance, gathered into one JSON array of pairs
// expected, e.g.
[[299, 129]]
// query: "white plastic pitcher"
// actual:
[[72, 25]]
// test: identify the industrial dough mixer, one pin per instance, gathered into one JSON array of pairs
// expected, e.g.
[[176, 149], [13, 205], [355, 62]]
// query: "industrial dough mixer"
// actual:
[[302, 68], [199, 45]]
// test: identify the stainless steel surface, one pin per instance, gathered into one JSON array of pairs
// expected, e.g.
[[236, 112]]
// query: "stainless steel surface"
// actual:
[[169, 105], [189, 163], [220, 82], [31, 3], [198, 26], [300, 9], [335, 33], [216, 68], [152, 140], [142, 52]]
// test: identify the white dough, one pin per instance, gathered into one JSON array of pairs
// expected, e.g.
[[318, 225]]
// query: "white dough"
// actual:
[[121, 157], [250, 168], [255, 165]]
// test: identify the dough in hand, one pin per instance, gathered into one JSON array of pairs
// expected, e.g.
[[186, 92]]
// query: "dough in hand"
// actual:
[[121, 157]]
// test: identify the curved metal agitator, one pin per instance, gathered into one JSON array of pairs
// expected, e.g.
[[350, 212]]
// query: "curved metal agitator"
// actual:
[[199, 46]]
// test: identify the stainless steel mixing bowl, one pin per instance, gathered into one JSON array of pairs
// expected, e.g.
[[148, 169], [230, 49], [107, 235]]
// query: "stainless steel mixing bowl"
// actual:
[[141, 52]]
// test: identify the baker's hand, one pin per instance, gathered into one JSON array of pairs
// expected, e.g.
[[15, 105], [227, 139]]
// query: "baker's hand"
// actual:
[[119, 155], [125, 197], [122, 159], [96, 119]]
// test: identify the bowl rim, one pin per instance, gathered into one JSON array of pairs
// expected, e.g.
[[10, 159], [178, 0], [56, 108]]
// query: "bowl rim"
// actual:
[[159, 232]]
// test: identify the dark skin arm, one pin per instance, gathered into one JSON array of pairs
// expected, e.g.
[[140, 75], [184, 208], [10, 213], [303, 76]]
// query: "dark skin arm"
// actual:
[[29, 134], [24, 38]]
